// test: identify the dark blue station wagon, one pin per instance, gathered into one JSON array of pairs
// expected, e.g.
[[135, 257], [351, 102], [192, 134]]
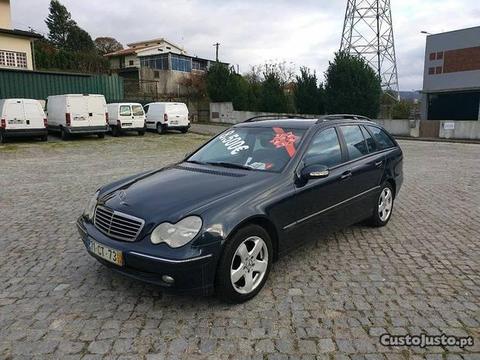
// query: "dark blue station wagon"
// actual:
[[217, 220]]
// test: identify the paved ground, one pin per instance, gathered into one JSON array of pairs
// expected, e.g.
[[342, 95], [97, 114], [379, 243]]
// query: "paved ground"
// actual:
[[331, 299]]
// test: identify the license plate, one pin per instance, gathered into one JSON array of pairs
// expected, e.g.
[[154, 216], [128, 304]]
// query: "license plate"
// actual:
[[174, 122], [106, 253], [79, 118]]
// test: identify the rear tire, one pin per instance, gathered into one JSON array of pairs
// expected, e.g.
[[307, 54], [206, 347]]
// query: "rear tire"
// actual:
[[141, 133], [383, 207], [64, 135], [115, 131], [44, 138], [161, 129], [184, 130], [101, 135], [245, 264], [3, 140]]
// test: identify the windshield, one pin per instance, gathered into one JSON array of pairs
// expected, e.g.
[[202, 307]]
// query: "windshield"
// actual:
[[259, 148]]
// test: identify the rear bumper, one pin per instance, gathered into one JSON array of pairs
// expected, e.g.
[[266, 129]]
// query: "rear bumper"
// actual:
[[10, 133], [126, 129], [81, 129], [194, 275]]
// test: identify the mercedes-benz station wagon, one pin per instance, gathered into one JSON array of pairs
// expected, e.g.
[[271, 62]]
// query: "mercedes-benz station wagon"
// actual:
[[217, 220]]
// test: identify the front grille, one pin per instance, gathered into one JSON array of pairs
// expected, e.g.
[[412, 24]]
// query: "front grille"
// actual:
[[117, 225]]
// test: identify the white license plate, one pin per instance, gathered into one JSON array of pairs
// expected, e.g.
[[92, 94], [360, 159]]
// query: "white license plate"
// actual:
[[174, 122], [106, 253]]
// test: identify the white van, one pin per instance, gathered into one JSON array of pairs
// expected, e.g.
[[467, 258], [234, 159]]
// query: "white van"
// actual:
[[126, 117], [77, 114], [22, 118], [163, 116]]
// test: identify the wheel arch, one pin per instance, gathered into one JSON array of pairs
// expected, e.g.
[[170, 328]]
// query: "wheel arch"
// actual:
[[394, 186], [264, 222]]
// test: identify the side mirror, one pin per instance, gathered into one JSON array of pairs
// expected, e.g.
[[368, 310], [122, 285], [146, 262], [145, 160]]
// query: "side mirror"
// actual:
[[314, 171]]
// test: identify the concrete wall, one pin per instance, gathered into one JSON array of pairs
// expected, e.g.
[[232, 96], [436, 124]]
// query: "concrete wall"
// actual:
[[168, 82], [17, 44], [224, 113], [5, 19]]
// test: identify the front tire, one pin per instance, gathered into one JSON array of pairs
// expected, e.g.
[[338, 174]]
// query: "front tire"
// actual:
[[101, 135], [383, 207], [245, 264], [115, 131]]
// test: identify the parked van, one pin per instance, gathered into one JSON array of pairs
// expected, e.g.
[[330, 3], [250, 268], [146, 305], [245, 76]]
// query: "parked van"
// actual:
[[22, 118], [77, 114], [163, 116], [126, 117]]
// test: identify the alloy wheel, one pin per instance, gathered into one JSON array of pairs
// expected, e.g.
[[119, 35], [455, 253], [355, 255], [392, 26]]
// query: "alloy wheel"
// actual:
[[385, 204], [249, 265]]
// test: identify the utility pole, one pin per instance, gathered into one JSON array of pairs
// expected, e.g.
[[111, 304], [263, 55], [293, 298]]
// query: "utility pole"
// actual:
[[217, 45], [368, 32]]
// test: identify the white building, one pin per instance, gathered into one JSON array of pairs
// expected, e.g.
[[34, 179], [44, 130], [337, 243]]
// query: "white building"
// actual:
[[451, 80]]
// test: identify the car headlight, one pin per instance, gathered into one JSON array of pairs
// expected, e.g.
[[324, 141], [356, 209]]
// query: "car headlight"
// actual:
[[179, 234], [90, 209]]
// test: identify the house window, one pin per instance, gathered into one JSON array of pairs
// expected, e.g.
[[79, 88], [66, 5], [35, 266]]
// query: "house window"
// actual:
[[440, 55], [156, 74], [130, 63], [13, 59], [432, 56], [180, 63], [438, 70], [199, 65], [431, 71], [158, 62]]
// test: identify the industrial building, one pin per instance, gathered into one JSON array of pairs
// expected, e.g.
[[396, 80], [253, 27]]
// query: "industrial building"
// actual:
[[451, 80]]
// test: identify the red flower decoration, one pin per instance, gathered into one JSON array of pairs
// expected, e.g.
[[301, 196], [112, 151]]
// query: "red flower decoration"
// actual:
[[285, 139]]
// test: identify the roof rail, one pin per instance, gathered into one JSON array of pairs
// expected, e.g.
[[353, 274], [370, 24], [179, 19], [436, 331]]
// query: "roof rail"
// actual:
[[343, 116], [267, 117]]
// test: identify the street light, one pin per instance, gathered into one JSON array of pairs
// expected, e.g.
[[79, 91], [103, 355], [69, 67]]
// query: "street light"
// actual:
[[425, 32]]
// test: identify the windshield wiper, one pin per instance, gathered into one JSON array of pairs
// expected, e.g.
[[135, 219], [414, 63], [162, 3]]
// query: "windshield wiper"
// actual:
[[195, 162], [229, 165]]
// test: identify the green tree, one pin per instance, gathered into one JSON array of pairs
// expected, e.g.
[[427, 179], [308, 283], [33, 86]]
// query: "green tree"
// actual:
[[220, 83], [402, 109], [352, 86], [272, 94], [308, 96], [59, 23], [106, 45], [79, 40]]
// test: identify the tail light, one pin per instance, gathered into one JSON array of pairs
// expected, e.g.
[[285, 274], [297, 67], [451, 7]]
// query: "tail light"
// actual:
[[106, 118], [68, 119], [165, 117], [45, 122], [3, 124]]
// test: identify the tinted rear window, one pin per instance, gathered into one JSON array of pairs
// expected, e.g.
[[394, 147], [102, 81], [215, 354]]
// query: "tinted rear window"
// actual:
[[356, 144], [382, 139]]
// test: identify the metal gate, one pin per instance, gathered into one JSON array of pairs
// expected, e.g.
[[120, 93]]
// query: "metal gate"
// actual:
[[429, 129]]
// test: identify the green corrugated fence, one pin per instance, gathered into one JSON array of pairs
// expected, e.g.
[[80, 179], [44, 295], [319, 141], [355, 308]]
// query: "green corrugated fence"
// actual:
[[39, 85]]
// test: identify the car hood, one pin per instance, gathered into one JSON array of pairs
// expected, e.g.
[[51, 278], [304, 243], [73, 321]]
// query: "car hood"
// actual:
[[174, 192]]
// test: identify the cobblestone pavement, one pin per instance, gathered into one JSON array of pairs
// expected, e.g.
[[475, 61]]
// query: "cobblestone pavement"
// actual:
[[329, 300]]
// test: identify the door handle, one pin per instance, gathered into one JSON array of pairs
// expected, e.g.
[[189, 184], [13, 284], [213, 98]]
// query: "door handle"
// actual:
[[378, 163], [346, 175]]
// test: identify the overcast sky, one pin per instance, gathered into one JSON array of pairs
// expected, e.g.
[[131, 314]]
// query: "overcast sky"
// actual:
[[302, 32]]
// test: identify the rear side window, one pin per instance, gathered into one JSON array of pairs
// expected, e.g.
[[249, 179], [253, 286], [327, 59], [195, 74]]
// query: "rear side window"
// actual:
[[324, 149], [372, 145], [356, 145], [125, 110], [146, 108], [381, 137]]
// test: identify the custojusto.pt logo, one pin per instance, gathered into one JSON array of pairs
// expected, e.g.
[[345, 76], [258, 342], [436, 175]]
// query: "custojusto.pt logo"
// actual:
[[424, 340]]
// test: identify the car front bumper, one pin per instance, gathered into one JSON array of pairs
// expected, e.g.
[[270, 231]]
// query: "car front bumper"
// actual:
[[24, 132], [192, 275]]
